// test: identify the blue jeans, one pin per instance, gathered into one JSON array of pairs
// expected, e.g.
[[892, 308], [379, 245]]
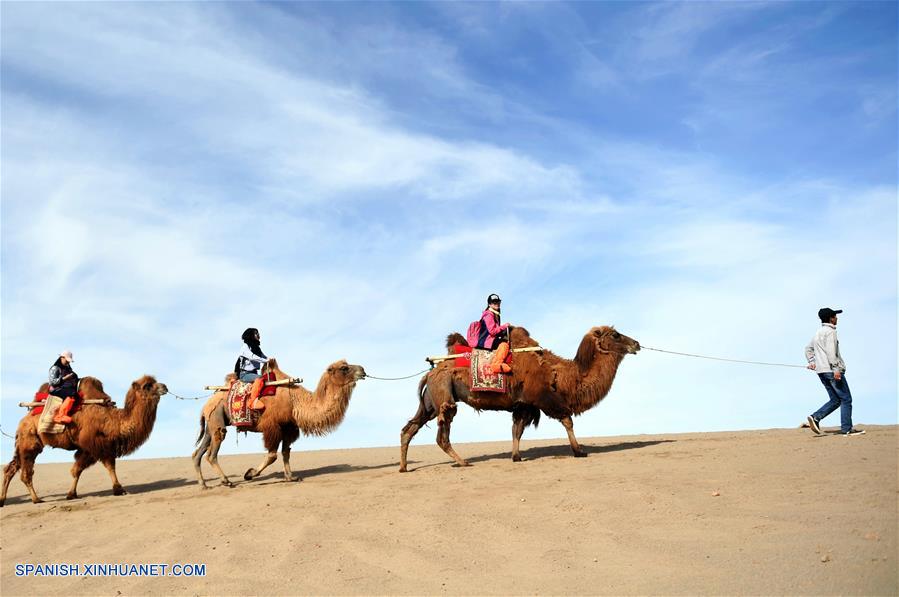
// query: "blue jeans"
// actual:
[[840, 397], [248, 377]]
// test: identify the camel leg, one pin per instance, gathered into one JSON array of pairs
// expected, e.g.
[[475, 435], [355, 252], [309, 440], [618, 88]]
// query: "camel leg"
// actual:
[[271, 437], [117, 488], [518, 424], [444, 421], [522, 416], [575, 447], [9, 471], [82, 461], [269, 458], [288, 436], [426, 412], [26, 461], [197, 457], [218, 436]]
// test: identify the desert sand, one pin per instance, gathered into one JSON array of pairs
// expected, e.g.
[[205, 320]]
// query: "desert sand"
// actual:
[[777, 511]]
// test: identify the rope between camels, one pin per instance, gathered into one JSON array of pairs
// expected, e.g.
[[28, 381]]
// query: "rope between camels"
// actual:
[[177, 397], [367, 376], [699, 356]]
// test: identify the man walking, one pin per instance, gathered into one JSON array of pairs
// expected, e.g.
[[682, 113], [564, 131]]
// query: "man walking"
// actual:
[[823, 356]]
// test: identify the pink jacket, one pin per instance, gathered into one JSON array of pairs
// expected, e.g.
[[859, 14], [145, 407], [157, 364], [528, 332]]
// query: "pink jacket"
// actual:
[[489, 330]]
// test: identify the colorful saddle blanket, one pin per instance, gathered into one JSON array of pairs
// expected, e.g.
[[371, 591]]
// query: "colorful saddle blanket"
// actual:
[[238, 405], [482, 379]]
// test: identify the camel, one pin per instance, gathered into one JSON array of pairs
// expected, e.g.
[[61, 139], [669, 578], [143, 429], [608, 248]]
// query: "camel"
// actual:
[[97, 432], [290, 411], [539, 382]]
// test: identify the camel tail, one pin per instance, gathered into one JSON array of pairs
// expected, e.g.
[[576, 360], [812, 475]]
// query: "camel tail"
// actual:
[[202, 429]]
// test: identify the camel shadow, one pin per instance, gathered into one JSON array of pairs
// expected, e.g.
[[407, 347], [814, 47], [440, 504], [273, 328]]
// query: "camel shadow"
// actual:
[[136, 488], [557, 451], [278, 475]]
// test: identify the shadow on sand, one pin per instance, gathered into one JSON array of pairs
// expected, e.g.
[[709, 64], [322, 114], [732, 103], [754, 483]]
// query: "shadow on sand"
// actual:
[[558, 451], [278, 474], [135, 489]]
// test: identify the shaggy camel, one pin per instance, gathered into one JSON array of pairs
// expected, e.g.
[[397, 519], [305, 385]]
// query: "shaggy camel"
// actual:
[[287, 413], [97, 432], [540, 381]]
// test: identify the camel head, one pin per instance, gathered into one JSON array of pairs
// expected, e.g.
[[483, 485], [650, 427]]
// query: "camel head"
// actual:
[[603, 340], [342, 373], [149, 387], [608, 339]]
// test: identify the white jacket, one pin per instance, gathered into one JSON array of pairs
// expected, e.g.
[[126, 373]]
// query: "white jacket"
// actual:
[[824, 350]]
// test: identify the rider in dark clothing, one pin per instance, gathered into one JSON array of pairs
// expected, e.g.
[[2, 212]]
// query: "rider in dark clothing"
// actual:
[[64, 383]]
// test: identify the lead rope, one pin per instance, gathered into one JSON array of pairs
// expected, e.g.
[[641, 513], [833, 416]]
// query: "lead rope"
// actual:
[[177, 397], [699, 356], [367, 376]]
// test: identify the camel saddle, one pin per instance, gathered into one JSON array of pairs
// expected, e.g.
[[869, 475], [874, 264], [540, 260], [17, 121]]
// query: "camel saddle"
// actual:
[[46, 424], [482, 378], [238, 402]]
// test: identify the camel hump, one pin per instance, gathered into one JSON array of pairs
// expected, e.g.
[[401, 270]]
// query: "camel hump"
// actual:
[[454, 339]]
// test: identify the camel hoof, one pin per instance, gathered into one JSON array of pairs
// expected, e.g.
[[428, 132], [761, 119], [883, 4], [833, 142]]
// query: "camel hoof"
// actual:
[[248, 476], [2, 502], [403, 469], [463, 463], [119, 491], [580, 454], [227, 484], [516, 458], [37, 501], [291, 479], [71, 496], [203, 487]]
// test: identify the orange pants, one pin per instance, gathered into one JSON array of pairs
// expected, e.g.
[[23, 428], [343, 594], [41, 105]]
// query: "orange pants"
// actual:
[[497, 364], [255, 403]]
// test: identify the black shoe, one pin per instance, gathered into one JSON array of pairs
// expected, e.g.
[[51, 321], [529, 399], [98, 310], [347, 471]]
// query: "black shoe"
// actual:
[[813, 424], [855, 432]]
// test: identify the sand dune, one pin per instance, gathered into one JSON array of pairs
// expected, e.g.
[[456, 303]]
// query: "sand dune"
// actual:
[[753, 512]]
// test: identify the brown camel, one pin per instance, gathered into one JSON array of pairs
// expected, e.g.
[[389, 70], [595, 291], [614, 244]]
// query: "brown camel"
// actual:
[[293, 409], [540, 382], [97, 432]]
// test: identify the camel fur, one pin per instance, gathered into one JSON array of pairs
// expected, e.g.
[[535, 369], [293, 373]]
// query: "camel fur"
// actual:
[[540, 382], [98, 432], [292, 410]]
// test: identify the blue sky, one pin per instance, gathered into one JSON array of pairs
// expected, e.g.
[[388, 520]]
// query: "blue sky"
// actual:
[[354, 178]]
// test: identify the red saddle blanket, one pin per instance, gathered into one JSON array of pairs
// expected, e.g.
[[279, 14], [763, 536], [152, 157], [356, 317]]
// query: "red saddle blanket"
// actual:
[[269, 390], [42, 397], [482, 378], [239, 410]]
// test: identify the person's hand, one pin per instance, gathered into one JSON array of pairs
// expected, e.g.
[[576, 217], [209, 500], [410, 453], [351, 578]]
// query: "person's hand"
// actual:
[[811, 366], [837, 375]]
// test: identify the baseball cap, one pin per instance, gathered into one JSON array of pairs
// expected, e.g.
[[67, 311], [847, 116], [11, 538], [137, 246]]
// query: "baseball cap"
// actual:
[[67, 354], [493, 298], [825, 313]]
